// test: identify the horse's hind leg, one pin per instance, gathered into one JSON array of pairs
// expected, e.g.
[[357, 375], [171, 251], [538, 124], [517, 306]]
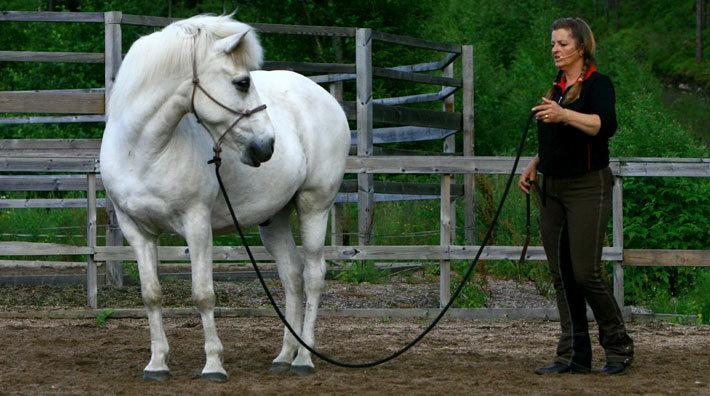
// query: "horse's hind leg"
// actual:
[[198, 234], [313, 224], [145, 247], [278, 240]]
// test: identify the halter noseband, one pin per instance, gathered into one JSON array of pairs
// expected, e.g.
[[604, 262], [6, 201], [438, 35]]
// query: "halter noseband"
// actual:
[[240, 114]]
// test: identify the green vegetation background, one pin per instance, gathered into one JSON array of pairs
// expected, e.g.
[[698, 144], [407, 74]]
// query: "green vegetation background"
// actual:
[[646, 47]]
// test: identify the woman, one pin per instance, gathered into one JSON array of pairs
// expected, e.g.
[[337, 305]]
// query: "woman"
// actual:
[[575, 121]]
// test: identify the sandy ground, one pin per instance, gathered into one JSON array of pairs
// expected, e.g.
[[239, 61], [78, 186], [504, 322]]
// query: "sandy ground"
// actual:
[[461, 356]]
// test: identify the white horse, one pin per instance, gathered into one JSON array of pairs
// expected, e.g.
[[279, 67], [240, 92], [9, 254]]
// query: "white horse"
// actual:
[[290, 154]]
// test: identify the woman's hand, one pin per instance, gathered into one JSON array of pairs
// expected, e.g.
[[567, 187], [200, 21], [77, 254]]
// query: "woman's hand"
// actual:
[[550, 112], [528, 175]]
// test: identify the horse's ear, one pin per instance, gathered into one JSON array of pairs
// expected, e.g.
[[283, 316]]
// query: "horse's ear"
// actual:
[[229, 44]]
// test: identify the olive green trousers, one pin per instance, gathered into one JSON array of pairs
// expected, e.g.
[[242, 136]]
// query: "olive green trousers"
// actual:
[[574, 212]]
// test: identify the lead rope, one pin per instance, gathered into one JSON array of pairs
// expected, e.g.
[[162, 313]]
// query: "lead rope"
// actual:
[[218, 162]]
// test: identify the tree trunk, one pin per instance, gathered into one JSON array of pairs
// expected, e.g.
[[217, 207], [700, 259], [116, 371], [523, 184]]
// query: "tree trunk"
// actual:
[[699, 26]]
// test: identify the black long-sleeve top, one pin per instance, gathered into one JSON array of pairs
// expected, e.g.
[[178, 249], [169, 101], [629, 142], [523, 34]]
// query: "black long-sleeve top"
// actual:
[[565, 150]]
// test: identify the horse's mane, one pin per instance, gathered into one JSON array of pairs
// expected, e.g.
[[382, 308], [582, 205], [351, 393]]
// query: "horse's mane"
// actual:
[[167, 54]]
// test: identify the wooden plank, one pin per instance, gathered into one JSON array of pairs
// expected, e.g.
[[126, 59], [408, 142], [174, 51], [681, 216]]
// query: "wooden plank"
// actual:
[[429, 66], [698, 167], [420, 98], [467, 123], [364, 110], [114, 237], [411, 164], [44, 183], [408, 134], [415, 42], [666, 257], [43, 56], [364, 252], [144, 20], [52, 119], [423, 313], [330, 78], [48, 203], [415, 77], [91, 269], [50, 164], [34, 16], [404, 188], [447, 210], [41, 249], [50, 160], [66, 101], [378, 197], [113, 50], [400, 115], [91, 145], [310, 67], [41, 264], [305, 30]]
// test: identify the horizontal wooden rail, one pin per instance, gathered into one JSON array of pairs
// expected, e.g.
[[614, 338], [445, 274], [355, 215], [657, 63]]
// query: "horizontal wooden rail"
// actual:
[[665, 257], [400, 115], [413, 252], [34, 16], [42, 249], [37, 56], [629, 257], [50, 164], [67, 119], [49, 203], [46, 183], [65, 101]]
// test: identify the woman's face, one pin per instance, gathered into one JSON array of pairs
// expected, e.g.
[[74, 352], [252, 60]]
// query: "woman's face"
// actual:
[[564, 49]]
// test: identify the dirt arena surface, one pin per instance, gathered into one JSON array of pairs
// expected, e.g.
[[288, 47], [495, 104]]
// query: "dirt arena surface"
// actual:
[[461, 356]]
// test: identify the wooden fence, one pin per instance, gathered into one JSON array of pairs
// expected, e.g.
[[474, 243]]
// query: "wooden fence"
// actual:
[[72, 165]]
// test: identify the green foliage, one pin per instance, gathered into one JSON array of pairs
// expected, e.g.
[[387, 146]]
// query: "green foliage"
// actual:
[[695, 302], [131, 270], [474, 292], [102, 317], [361, 272]]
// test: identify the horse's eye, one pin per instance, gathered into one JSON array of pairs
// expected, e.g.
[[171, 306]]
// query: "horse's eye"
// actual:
[[242, 83]]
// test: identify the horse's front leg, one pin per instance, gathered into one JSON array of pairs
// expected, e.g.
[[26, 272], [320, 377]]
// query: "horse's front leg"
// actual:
[[198, 234], [145, 248]]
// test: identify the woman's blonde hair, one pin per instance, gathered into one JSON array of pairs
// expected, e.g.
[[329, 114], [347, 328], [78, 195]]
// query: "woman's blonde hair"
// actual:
[[584, 40]]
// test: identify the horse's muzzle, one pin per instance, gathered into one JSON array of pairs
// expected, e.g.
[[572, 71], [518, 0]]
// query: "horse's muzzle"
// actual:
[[259, 152]]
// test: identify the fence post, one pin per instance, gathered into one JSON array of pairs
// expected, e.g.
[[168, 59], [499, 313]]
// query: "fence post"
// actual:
[[618, 238], [447, 210], [113, 55], [365, 180], [91, 273], [336, 212], [468, 143]]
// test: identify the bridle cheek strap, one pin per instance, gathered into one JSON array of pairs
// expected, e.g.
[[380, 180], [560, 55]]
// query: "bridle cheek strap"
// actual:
[[240, 114]]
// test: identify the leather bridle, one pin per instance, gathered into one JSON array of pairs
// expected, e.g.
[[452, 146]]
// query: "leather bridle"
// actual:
[[239, 114]]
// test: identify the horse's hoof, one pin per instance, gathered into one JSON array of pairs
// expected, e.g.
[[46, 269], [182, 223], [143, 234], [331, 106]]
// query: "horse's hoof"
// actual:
[[158, 376], [279, 368], [216, 377], [303, 371]]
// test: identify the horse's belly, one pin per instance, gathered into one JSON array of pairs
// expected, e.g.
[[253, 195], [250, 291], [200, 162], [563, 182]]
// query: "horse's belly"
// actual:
[[252, 209]]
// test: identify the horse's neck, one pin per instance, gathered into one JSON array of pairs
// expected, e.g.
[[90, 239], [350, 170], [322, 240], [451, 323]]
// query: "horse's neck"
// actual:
[[149, 119]]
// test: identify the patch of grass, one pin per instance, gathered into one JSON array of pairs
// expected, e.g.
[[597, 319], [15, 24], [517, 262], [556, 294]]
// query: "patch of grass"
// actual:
[[363, 271], [102, 317]]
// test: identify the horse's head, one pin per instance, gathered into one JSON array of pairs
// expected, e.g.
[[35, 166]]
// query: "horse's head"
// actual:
[[223, 97]]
